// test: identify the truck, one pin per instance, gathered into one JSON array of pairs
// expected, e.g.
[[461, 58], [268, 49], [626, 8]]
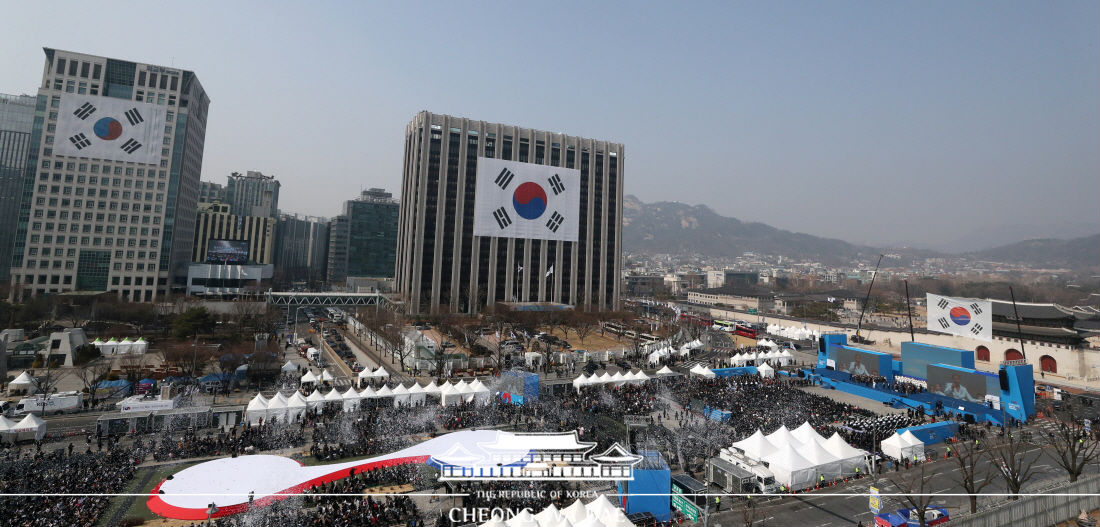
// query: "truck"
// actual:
[[731, 478], [56, 403], [765, 480]]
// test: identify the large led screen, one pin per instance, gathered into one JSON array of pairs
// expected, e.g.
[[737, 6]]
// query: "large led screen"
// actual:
[[227, 252], [857, 362], [965, 386]]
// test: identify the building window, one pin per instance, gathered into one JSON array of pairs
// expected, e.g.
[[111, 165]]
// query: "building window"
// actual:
[[1013, 354], [983, 353]]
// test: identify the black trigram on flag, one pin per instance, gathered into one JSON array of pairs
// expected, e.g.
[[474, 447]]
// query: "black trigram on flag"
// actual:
[[943, 322], [130, 146], [943, 304], [504, 178], [501, 215], [84, 111], [80, 141], [555, 221], [555, 184], [133, 116], [976, 308], [977, 329]]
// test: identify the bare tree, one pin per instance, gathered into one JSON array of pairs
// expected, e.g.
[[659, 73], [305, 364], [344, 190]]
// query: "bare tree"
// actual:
[[748, 512], [1075, 447], [132, 364], [1010, 458], [974, 474], [584, 325], [91, 373], [188, 359], [915, 488]]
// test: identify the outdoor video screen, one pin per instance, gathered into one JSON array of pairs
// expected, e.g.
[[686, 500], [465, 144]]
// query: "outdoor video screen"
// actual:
[[961, 385], [227, 251], [856, 362]]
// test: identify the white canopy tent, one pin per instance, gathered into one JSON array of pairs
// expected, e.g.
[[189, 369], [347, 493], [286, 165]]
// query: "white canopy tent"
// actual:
[[416, 394], [849, 456], [896, 447], [701, 371], [309, 376], [790, 468], [665, 371], [756, 446], [23, 382], [825, 464], [326, 377], [289, 367], [916, 445], [277, 409], [296, 407], [806, 434], [31, 427], [380, 373], [400, 396], [765, 371], [256, 409], [315, 400]]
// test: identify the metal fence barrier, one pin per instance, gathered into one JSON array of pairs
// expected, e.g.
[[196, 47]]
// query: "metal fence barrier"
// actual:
[[1040, 511]]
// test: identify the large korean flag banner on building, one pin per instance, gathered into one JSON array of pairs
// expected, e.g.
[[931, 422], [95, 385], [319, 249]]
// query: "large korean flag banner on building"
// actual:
[[525, 200], [960, 316], [109, 128]]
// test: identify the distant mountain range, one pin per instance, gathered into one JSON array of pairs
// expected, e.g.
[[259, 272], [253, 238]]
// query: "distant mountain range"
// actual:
[[681, 229]]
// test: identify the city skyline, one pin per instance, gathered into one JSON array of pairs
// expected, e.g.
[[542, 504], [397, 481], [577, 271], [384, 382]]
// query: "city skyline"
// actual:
[[984, 115]]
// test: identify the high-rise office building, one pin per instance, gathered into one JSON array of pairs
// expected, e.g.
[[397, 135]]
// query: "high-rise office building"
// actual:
[[112, 179], [552, 200], [210, 192], [16, 125], [363, 240], [253, 194], [301, 248]]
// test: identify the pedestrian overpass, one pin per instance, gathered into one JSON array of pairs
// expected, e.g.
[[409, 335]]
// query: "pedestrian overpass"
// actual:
[[293, 300]]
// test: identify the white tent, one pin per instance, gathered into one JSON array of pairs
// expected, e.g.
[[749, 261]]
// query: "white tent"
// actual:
[[296, 407], [482, 394], [315, 400], [641, 376], [256, 409], [367, 393], [896, 447], [110, 347], [806, 434], [380, 372], [23, 382], [580, 381], [756, 446], [125, 346], [350, 399], [604, 377], [449, 395], [416, 394], [31, 427], [916, 445], [782, 437], [400, 396], [140, 347], [575, 513], [309, 377], [655, 357], [432, 389], [701, 371], [824, 462], [618, 378], [333, 396], [849, 456], [326, 377], [384, 391], [289, 367], [549, 517], [665, 371], [790, 468], [277, 409], [765, 371]]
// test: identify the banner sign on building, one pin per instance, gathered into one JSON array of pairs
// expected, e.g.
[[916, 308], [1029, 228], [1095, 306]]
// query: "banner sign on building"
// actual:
[[526, 200], [109, 128], [960, 316]]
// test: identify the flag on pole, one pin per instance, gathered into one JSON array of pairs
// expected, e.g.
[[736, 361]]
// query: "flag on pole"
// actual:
[[549, 272], [960, 316]]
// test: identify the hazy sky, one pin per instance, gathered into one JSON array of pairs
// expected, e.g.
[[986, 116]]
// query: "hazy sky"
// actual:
[[883, 122]]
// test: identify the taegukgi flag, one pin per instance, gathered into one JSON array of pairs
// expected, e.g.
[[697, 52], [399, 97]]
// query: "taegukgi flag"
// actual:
[[109, 128], [960, 316], [526, 200]]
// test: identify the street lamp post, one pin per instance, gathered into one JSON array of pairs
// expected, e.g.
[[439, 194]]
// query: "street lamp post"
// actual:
[[210, 512]]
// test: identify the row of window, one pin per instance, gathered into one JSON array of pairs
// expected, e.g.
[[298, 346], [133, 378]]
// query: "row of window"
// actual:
[[112, 218], [62, 264], [78, 203], [97, 241], [94, 180], [68, 279], [70, 86], [68, 191], [118, 169], [81, 68], [71, 253]]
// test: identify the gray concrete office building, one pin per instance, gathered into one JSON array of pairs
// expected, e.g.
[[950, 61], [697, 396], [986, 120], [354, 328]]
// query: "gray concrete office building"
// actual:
[[441, 263], [112, 179]]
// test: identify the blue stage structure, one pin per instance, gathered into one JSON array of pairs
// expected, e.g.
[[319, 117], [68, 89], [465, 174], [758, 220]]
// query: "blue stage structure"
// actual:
[[933, 433], [650, 490], [953, 388], [733, 372], [519, 387]]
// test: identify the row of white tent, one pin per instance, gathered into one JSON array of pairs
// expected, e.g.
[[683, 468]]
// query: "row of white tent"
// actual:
[[616, 380], [324, 376], [600, 512], [799, 458], [121, 347], [764, 370], [289, 409], [781, 357], [31, 427], [793, 332], [380, 373], [685, 350]]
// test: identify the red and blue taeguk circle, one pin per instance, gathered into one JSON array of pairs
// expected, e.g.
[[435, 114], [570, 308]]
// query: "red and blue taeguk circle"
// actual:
[[107, 129], [960, 316], [529, 200]]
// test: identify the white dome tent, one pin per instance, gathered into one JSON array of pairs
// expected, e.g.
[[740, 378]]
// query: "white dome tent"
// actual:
[[296, 407], [765, 371], [256, 410]]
